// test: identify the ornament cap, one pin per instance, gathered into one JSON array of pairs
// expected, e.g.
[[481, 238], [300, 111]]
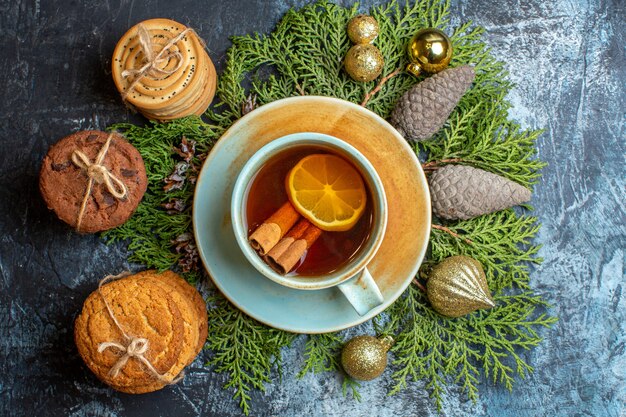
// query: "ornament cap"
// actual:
[[387, 342], [414, 69]]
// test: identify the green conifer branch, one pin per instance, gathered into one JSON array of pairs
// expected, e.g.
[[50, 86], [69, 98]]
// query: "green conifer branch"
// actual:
[[304, 55], [321, 352], [440, 350], [243, 348]]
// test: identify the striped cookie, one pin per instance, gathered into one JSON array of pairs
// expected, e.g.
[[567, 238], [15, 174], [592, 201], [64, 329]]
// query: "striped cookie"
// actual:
[[187, 90]]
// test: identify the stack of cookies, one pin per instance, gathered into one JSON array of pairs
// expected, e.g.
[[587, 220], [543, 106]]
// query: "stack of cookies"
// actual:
[[83, 190], [174, 78], [137, 333]]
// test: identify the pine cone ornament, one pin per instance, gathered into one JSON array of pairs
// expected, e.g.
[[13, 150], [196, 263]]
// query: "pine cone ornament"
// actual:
[[424, 109], [461, 192]]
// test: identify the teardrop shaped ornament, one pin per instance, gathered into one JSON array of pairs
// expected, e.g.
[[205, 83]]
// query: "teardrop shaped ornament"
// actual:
[[457, 286]]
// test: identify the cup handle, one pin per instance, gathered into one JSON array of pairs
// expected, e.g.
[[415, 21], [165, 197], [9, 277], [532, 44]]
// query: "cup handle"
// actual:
[[362, 292]]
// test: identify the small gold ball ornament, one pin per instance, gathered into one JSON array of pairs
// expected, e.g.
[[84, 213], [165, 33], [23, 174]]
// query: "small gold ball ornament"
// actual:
[[457, 286], [430, 50], [362, 29], [364, 62], [365, 357]]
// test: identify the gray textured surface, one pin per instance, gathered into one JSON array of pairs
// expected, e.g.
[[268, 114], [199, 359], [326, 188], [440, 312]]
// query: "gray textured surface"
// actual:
[[567, 57]]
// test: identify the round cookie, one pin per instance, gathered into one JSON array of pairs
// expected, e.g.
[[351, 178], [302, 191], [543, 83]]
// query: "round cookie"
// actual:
[[189, 300], [189, 89], [142, 309], [161, 307], [153, 92], [63, 184], [199, 106], [196, 301]]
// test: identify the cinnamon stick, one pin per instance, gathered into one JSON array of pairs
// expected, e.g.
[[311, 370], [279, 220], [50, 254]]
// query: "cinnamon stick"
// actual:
[[292, 235], [267, 235], [289, 251]]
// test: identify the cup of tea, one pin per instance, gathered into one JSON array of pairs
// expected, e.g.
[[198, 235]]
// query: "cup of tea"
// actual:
[[294, 252]]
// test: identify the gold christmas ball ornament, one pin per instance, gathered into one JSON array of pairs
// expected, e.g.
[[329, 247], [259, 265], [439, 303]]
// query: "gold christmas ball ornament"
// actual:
[[364, 62], [430, 50], [365, 357], [457, 286], [362, 29]]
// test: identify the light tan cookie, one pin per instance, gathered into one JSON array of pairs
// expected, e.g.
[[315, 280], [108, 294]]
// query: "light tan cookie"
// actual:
[[196, 301], [187, 79], [200, 103], [175, 289], [143, 309], [189, 300]]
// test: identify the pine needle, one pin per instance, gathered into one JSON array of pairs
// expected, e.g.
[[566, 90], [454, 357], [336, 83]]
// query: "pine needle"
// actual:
[[243, 348], [304, 56], [321, 353]]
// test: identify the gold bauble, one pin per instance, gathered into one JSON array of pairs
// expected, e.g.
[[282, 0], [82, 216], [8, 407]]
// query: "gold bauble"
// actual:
[[429, 50], [365, 357], [458, 286], [364, 62], [362, 29]]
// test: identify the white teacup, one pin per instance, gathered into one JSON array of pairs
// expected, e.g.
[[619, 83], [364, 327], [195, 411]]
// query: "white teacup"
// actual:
[[353, 279]]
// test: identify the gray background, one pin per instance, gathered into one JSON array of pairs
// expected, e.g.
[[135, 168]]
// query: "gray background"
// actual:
[[567, 57]]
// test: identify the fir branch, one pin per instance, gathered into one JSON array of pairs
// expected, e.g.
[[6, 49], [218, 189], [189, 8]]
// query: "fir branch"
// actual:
[[304, 55], [352, 385], [321, 353], [382, 82], [151, 229], [483, 137], [500, 242], [450, 232], [440, 350], [243, 348]]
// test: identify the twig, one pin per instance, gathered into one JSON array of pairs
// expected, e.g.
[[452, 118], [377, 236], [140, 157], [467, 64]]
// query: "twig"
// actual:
[[379, 86], [433, 165], [456, 235], [300, 89], [419, 285]]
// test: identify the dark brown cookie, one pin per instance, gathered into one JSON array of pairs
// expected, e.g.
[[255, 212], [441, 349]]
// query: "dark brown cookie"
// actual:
[[63, 184]]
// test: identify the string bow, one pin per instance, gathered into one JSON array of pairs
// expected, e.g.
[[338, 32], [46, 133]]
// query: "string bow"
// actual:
[[133, 347], [152, 62], [136, 347], [98, 173]]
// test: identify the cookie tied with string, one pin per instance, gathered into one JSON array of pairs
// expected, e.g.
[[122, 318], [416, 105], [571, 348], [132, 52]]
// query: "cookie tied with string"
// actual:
[[93, 180], [160, 68], [138, 332]]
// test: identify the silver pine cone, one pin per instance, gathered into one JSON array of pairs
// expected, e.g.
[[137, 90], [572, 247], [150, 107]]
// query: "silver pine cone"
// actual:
[[461, 192], [424, 109]]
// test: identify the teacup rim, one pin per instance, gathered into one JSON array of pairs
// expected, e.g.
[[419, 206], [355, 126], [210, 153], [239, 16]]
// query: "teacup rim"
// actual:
[[251, 168]]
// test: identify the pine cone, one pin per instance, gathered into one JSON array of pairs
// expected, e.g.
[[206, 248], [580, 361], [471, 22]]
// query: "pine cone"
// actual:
[[424, 109], [463, 192]]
